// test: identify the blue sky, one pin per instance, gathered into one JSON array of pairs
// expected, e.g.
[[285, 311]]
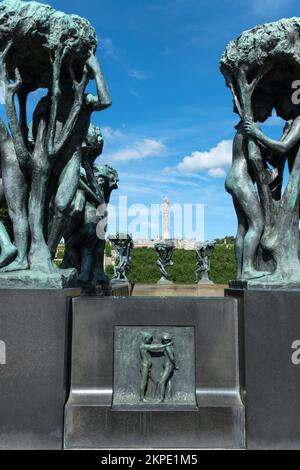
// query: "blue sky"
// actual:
[[170, 128]]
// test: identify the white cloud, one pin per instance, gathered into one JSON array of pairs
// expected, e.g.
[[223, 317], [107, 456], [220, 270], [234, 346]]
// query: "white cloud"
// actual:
[[213, 161], [217, 173], [107, 47], [137, 74], [111, 135], [109, 50], [139, 150]]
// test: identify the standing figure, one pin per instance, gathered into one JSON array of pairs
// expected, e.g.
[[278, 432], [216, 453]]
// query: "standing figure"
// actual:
[[169, 366], [84, 249], [240, 184], [14, 189], [146, 347]]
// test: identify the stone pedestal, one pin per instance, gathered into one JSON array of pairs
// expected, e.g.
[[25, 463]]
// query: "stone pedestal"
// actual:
[[271, 331], [34, 334], [179, 290], [203, 409], [62, 279]]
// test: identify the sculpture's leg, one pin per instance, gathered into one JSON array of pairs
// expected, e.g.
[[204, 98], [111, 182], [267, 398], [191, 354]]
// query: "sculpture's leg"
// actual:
[[239, 240], [68, 185], [8, 250], [39, 255], [99, 273], [13, 188], [162, 385], [71, 258], [251, 210], [144, 383], [16, 192], [87, 262]]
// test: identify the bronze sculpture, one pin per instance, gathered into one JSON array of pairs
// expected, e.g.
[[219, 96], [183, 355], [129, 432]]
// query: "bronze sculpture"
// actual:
[[260, 67], [40, 47]]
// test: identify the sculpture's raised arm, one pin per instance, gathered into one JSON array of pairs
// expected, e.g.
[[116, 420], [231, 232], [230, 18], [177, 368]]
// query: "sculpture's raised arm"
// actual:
[[280, 147], [10, 90], [104, 99]]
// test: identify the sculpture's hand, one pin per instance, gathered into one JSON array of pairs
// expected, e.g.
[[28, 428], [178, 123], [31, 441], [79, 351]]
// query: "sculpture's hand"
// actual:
[[252, 129], [92, 63]]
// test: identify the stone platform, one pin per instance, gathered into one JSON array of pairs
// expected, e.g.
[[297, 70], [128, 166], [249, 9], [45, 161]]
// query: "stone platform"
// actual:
[[270, 334], [203, 409], [179, 290], [62, 279], [35, 337]]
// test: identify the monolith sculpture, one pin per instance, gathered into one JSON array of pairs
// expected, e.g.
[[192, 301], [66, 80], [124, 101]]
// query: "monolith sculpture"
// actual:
[[261, 68], [41, 163]]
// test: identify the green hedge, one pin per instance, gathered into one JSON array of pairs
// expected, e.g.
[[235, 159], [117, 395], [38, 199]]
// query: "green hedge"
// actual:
[[145, 271]]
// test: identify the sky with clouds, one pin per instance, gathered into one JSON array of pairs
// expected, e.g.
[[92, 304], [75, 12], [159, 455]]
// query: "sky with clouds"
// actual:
[[170, 128]]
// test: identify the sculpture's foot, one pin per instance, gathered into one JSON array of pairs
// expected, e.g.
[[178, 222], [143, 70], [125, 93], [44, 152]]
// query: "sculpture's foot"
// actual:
[[8, 254], [40, 260], [44, 266], [253, 274], [17, 265]]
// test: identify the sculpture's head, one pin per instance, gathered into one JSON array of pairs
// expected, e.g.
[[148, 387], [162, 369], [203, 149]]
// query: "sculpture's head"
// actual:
[[92, 147], [284, 105], [42, 36], [147, 337], [106, 176], [262, 106], [166, 338]]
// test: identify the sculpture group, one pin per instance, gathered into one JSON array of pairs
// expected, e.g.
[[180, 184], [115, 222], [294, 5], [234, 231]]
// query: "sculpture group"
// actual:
[[261, 67], [166, 349], [49, 178]]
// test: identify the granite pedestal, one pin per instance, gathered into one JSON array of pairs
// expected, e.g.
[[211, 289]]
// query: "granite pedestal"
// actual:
[[98, 416], [34, 335], [271, 363]]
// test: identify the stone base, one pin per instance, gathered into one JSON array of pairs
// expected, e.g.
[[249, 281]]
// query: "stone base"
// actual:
[[179, 290], [62, 279], [34, 334], [271, 331], [104, 370], [164, 281], [265, 283], [121, 289]]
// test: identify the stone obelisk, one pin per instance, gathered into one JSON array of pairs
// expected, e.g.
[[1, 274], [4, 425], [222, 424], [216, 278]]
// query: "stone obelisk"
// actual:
[[166, 219]]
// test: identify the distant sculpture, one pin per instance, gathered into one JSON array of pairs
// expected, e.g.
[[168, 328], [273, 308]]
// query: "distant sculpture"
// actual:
[[165, 347], [43, 48], [164, 250], [87, 219], [261, 67], [204, 253], [123, 245]]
